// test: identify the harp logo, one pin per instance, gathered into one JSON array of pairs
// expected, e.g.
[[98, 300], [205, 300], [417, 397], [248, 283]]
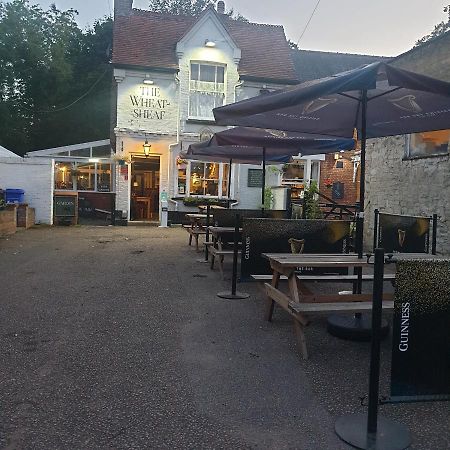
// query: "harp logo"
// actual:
[[406, 103], [318, 104]]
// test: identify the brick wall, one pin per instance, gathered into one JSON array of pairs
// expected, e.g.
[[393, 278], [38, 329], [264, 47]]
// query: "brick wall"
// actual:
[[329, 170]]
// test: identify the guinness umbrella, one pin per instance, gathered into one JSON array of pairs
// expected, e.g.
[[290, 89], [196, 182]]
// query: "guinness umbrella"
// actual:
[[253, 145], [376, 100]]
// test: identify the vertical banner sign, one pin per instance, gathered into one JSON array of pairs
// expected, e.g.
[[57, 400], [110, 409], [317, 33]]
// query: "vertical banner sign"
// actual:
[[405, 234], [286, 236], [421, 331]]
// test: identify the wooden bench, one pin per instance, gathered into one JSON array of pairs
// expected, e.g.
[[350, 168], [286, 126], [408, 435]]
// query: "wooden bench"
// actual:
[[220, 253], [331, 278], [194, 232], [321, 304]]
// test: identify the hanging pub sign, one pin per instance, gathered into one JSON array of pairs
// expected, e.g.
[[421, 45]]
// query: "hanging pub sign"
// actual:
[[421, 331], [286, 236], [404, 234]]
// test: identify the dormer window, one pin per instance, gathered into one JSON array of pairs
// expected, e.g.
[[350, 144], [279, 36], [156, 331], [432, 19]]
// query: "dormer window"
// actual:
[[206, 90]]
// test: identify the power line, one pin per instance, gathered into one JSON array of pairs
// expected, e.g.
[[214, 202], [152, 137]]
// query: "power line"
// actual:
[[307, 23], [78, 99]]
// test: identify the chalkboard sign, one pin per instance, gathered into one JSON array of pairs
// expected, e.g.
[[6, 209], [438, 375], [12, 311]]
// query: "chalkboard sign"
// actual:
[[255, 178], [65, 205]]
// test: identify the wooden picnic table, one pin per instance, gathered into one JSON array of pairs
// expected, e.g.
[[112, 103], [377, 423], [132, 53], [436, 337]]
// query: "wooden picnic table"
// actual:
[[301, 301], [220, 237], [196, 228]]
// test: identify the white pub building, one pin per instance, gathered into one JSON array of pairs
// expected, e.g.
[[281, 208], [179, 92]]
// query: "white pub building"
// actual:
[[170, 71]]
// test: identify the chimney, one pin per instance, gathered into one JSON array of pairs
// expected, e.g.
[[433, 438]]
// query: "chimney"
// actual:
[[122, 7], [221, 7]]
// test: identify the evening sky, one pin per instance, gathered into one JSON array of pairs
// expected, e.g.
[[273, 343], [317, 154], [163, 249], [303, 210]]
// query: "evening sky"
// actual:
[[381, 27]]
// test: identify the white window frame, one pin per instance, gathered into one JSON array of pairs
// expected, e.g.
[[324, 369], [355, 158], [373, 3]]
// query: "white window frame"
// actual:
[[206, 63], [188, 181]]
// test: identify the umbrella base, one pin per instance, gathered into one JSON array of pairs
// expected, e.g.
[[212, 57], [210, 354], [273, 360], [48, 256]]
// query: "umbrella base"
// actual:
[[389, 436], [230, 296], [354, 328]]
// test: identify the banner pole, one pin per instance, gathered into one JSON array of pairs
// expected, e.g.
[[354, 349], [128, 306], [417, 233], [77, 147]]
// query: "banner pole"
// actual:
[[434, 241]]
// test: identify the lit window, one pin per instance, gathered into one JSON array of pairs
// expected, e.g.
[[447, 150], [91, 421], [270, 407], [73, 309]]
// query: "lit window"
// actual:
[[203, 178], [206, 90], [95, 177], [64, 175], [430, 143]]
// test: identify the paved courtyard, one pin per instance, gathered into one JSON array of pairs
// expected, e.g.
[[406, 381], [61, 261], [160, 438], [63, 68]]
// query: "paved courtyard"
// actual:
[[114, 338]]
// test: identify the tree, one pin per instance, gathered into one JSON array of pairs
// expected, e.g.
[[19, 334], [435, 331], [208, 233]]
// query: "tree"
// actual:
[[47, 64], [439, 29], [189, 8]]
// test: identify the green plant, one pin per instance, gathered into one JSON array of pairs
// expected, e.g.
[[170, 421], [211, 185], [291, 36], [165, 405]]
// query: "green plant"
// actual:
[[2, 204], [268, 198], [311, 202]]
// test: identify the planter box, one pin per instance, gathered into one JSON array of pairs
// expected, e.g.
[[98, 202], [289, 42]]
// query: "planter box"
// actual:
[[25, 216], [8, 221]]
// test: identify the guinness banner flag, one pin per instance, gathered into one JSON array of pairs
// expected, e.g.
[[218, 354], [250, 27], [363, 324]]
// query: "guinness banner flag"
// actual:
[[421, 331], [405, 234], [286, 236]]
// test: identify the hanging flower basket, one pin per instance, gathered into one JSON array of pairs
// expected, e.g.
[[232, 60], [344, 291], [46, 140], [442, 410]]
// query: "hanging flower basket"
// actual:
[[328, 182]]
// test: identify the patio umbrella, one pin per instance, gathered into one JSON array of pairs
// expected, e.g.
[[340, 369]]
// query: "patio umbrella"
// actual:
[[377, 100], [253, 145]]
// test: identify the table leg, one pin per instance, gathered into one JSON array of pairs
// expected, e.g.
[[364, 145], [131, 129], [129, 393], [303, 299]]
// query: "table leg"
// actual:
[[301, 340], [270, 304]]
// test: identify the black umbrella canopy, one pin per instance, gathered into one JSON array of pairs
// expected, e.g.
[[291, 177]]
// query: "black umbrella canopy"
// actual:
[[277, 141], [396, 102], [236, 154]]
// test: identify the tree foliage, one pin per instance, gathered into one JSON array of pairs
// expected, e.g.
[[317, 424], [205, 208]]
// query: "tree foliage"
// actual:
[[48, 66], [439, 29], [189, 8]]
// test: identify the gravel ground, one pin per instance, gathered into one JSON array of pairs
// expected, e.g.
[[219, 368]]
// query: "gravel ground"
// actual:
[[114, 338]]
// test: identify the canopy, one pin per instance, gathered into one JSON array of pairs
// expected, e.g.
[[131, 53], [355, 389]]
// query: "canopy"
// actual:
[[398, 102], [378, 100], [276, 141]]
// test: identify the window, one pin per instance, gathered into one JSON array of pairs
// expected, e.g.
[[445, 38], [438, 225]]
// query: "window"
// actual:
[[95, 177], [430, 143], [206, 90], [203, 178]]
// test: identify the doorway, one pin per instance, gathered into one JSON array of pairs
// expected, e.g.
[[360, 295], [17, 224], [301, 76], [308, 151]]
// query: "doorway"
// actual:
[[145, 189]]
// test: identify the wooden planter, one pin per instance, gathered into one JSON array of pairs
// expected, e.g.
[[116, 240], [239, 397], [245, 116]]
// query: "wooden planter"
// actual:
[[8, 221]]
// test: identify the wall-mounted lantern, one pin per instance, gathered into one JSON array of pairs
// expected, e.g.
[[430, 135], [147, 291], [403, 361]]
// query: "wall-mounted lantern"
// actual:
[[147, 148]]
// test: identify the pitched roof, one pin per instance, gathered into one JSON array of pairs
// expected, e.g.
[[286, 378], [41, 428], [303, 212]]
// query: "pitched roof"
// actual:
[[5, 153], [148, 39], [310, 65]]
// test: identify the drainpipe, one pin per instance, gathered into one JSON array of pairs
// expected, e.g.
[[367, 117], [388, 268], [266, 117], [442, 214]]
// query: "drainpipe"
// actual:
[[169, 162]]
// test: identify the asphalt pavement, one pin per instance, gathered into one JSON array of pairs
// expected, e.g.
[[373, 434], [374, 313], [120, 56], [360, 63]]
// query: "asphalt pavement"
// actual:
[[114, 338]]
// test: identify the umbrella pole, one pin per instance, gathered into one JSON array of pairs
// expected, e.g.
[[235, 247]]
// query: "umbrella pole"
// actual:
[[357, 327], [263, 184]]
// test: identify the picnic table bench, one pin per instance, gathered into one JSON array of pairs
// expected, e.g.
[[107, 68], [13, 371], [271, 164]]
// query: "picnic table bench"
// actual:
[[196, 227], [300, 301], [218, 247]]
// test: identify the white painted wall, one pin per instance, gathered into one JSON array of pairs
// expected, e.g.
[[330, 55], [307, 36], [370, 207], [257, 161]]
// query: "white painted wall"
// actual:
[[35, 177]]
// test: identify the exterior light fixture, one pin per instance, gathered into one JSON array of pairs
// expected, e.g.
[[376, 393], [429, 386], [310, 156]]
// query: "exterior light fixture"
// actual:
[[147, 148], [147, 80], [209, 43]]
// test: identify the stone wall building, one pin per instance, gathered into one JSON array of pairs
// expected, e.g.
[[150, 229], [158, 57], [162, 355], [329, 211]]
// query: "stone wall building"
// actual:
[[410, 175]]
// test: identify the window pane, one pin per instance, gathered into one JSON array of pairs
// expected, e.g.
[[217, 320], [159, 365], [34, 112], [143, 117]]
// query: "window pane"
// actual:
[[207, 73], [201, 104], [226, 168], [104, 177], [429, 143], [85, 177], [212, 171], [103, 151], [220, 74], [83, 152], [197, 175], [212, 187], [63, 175], [182, 181], [194, 72]]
